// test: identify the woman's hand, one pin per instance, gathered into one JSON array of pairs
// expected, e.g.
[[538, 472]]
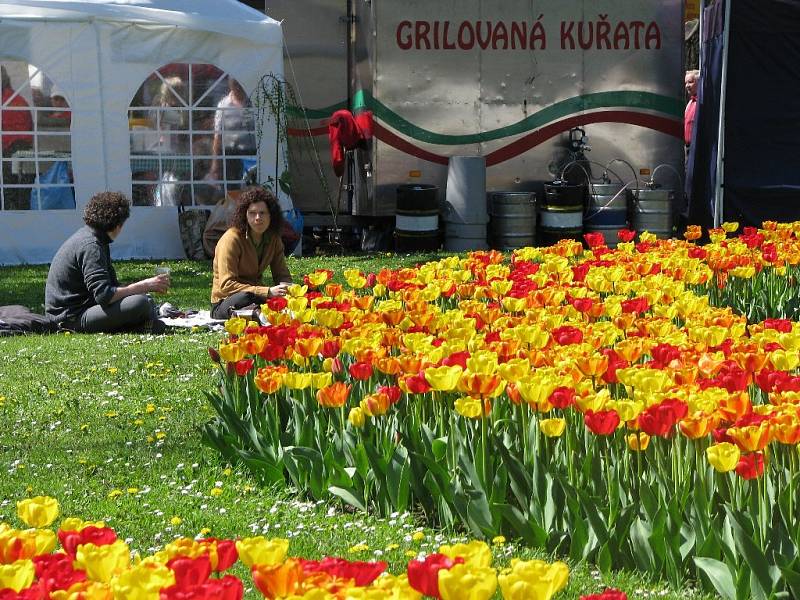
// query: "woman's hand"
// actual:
[[279, 290]]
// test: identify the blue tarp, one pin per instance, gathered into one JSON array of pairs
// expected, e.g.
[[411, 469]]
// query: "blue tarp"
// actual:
[[762, 114]]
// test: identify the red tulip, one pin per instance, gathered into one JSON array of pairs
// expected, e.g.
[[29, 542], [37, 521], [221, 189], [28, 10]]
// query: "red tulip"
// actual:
[[417, 384], [99, 536], [594, 239], [602, 422], [363, 573], [360, 370], [562, 397], [750, 466], [212, 352], [609, 594], [660, 419], [244, 366], [277, 304], [567, 334], [190, 572], [635, 305], [625, 235], [423, 575], [227, 588], [330, 348], [56, 572], [457, 358], [393, 392]]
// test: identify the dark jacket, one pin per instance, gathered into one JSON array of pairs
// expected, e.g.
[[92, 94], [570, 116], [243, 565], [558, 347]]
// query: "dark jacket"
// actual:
[[81, 276]]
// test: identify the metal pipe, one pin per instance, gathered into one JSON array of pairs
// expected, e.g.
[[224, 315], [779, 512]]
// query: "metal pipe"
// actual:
[[719, 184]]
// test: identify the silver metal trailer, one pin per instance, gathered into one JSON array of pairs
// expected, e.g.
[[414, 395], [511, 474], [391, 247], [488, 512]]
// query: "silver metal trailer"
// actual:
[[503, 79]]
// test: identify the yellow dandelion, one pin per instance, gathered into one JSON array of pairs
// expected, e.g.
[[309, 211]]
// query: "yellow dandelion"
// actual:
[[498, 540], [358, 548], [133, 490], [150, 408], [216, 491], [418, 536], [176, 521], [114, 493]]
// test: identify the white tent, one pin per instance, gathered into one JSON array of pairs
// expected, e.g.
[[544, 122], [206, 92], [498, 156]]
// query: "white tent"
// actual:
[[98, 53]]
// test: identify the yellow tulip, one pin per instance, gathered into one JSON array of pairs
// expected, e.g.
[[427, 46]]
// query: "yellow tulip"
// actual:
[[235, 325], [102, 563], [464, 582], [723, 457], [483, 362], [475, 553], [444, 378], [295, 380], [356, 417], [38, 512], [730, 226], [261, 551], [295, 290], [533, 580], [143, 582], [552, 427], [638, 442], [785, 360], [17, 576], [469, 407], [395, 588], [231, 353]]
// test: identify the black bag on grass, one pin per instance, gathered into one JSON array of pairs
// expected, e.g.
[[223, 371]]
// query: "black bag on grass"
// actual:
[[16, 320]]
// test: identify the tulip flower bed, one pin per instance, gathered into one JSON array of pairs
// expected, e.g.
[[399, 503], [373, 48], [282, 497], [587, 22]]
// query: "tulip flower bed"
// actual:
[[93, 564], [596, 404]]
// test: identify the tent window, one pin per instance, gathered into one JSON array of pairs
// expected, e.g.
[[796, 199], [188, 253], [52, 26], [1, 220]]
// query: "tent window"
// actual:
[[192, 136], [35, 142]]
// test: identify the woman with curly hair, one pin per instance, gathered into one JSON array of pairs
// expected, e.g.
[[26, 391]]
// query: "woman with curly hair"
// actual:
[[245, 250], [82, 291]]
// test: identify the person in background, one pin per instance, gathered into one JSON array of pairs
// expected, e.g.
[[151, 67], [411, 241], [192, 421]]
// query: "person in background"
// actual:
[[233, 131], [244, 251], [82, 291], [16, 117], [690, 81]]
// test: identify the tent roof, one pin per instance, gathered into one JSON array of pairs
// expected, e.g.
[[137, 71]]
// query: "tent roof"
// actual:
[[228, 17]]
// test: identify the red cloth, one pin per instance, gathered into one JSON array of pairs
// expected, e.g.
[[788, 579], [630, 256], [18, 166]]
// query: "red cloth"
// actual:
[[15, 120], [346, 132], [688, 119]]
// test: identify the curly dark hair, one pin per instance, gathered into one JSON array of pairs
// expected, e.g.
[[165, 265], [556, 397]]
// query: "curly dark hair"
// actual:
[[106, 210], [251, 195]]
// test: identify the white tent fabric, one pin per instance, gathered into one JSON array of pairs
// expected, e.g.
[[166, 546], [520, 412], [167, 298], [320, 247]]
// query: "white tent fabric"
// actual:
[[98, 53]]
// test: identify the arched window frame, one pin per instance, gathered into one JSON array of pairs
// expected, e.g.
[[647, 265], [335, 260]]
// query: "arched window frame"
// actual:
[[23, 169], [160, 177]]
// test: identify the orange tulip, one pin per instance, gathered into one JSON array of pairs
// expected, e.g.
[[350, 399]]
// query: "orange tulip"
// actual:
[[751, 438], [735, 406], [333, 290], [786, 429], [269, 380], [388, 365], [696, 426], [593, 365], [308, 347], [278, 581], [334, 395], [392, 317], [375, 405], [480, 384], [410, 363]]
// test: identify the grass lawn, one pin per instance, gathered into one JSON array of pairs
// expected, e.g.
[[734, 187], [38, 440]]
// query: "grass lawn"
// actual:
[[109, 425]]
